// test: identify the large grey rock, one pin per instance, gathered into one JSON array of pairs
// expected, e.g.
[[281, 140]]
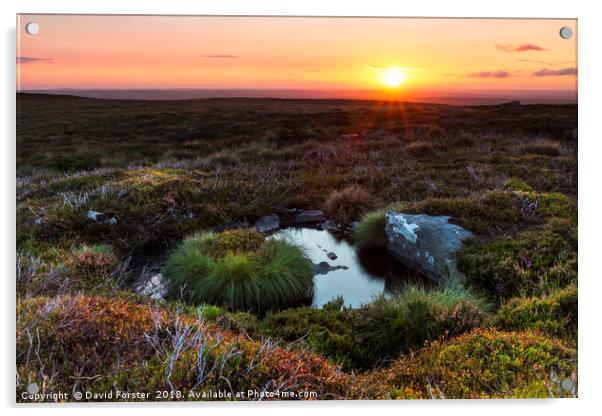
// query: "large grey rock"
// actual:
[[268, 223], [314, 215], [426, 244]]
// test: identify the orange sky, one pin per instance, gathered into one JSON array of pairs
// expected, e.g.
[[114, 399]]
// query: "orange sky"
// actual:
[[294, 53]]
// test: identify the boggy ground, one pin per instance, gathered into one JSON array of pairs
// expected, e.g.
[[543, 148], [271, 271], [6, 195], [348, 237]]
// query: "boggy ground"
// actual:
[[153, 173]]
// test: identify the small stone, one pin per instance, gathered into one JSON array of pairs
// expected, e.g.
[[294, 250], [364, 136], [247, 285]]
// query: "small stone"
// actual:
[[112, 221], [268, 223], [329, 225], [349, 136], [95, 216], [314, 215], [331, 255]]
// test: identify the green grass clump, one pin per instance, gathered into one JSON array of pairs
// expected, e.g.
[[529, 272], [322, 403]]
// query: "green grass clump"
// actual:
[[370, 231], [240, 270], [329, 331], [405, 321], [532, 263], [554, 314], [484, 363]]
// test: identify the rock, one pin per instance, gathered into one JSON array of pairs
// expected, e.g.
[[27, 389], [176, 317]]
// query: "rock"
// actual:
[[112, 221], [426, 244], [314, 215], [268, 223], [329, 225], [153, 286], [331, 255], [95, 216]]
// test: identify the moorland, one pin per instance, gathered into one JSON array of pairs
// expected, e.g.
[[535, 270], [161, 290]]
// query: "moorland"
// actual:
[[104, 185]]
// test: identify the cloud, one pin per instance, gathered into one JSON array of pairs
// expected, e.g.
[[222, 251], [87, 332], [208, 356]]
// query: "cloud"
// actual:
[[32, 59], [545, 62], [554, 72], [226, 56], [387, 67], [489, 74], [519, 48]]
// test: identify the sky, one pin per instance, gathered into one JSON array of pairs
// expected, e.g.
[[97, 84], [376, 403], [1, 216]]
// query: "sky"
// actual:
[[380, 56]]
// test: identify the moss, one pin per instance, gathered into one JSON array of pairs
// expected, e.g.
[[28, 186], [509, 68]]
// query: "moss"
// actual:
[[240, 270], [517, 184], [497, 211], [534, 262], [554, 314], [483, 363]]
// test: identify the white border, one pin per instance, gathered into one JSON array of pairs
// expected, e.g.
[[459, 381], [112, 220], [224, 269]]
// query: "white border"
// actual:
[[590, 138]]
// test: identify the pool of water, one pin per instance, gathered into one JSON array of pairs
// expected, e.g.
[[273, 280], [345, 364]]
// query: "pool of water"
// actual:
[[357, 277]]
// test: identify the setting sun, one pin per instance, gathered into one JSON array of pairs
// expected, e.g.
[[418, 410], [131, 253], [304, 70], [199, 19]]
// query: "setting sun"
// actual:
[[393, 77]]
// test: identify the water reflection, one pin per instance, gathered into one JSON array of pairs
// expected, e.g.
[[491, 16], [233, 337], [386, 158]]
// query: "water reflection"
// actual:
[[357, 277]]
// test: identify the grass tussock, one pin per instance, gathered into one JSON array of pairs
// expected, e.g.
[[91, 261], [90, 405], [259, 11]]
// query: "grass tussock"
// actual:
[[240, 270], [370, 231], [348, 204], [405, 321], [420, 150], [543, 147]]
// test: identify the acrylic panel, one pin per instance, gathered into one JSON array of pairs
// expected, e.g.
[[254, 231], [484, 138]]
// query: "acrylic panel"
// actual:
[[284, 208]]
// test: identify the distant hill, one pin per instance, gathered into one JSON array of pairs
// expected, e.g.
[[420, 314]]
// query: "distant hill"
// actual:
[[436, 97]]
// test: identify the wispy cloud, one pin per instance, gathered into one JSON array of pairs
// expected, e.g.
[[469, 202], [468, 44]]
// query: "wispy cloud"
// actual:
[[519, 48], [545, 62], [554, 72], [389, 67], [489, 74], [226, 56], [33, 59]]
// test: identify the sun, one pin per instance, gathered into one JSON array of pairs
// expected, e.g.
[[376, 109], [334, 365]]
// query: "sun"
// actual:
[[393, 77]]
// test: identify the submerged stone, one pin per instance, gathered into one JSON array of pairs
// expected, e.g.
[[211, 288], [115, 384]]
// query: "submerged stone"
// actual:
[[427, 244]]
